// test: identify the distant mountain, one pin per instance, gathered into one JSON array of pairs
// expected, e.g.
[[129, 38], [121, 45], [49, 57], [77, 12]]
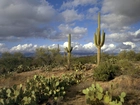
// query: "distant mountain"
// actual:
[[76, 54]]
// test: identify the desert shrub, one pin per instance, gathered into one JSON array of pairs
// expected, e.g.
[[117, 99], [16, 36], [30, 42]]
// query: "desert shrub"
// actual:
[[138, 57], [106, 71], [80, 66], [125, 64], [104, 56], [45, 57], [130, 55], [128, 68], [84, 59], [10, 62]]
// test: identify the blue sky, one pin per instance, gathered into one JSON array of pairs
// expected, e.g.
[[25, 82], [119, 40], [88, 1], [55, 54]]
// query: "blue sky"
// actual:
[[28, 24]]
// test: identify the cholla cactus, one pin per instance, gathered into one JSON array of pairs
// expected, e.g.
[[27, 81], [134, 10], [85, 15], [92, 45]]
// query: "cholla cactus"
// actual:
[[69, 50], [98, 40]]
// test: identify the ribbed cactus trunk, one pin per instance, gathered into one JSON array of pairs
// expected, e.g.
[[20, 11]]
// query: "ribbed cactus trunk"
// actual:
[[69, 49], [98, 55], [98, 41]]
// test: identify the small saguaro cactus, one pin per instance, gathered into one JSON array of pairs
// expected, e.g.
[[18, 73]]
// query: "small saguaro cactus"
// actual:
[[98, 40], [58, 49], [69, 50]]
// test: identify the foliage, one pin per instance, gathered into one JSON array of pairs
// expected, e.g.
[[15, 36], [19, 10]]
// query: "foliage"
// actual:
[[130, 55], [10, 62], [128, 68], [105, 71], [84, 59], [80, 66], [96, 96], [44, 56], [138, 56]]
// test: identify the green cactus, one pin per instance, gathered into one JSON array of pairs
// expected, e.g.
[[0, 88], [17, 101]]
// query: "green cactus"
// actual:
[[38, 90], [96, 96], [98, 41], [69, 50]]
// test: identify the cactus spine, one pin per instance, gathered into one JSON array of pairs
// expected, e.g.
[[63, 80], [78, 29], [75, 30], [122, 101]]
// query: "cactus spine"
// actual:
[[98, 40], [69, 50]]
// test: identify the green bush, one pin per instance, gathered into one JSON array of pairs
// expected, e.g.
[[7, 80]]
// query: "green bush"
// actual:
[[130, 55], [128, 68], [84, 59], [105, 71]]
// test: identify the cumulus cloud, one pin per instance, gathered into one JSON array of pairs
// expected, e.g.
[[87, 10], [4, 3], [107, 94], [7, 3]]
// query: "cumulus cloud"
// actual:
[[119, 14], [133, 45], [92, 13], [109, 48], [24, 48], [3, 48], [30, 48], [71, 15], [124, 37], [65, 29], [25, 18], [75, 3], [81, 48], [123, 46]]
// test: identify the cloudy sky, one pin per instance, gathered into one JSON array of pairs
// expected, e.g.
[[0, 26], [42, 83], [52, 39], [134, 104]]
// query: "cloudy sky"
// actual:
[[28, 24]]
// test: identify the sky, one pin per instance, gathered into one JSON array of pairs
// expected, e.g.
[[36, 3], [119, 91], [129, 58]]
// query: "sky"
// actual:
[[29, 24]]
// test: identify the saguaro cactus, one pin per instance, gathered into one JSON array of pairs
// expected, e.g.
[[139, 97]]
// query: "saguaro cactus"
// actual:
[[58, 49], [69, 50], [99, 40]]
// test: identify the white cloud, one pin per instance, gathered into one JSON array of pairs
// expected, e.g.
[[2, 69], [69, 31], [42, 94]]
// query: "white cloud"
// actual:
[[124, 37], [87, 48], [26, 18], [81, 48], [75, 3], [76, 30], [3, 48], [109, 48], [24, 48], [119, 14], [65, 29], [92, 13], [71, 15], [133, 45]]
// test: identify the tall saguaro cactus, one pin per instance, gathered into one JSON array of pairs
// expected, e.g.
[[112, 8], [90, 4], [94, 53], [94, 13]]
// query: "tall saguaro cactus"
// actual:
[[99, 40], [69, 50]]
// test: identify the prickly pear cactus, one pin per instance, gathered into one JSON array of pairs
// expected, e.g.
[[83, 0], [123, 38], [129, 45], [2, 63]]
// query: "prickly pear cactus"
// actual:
[[94, 94]]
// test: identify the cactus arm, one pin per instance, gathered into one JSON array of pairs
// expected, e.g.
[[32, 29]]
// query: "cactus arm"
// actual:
[[95, 40], [103, 39], [98, 37]]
